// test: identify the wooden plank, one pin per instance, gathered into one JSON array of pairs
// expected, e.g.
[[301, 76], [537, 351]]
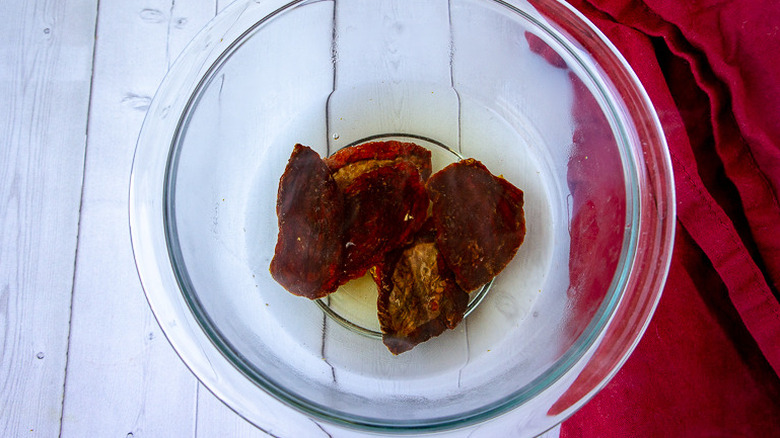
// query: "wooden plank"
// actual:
[[45, 65], [123, 377], [214, 418]]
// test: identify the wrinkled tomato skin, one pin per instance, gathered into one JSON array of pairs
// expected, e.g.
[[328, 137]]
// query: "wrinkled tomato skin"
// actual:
[[349, 163], [479, 221], [383, 210], [418, 295], [310, 208]]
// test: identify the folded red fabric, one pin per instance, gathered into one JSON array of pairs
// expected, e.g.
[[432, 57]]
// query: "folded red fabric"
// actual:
[[710, 360]]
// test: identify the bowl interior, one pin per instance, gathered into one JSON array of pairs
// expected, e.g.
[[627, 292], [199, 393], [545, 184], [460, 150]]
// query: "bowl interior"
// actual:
[[472, 78]]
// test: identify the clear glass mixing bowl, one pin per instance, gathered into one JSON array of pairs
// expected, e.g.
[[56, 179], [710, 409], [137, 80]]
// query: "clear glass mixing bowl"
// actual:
[[529, 88]]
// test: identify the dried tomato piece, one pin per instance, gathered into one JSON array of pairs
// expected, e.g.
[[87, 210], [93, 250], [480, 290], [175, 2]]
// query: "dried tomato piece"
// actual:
[[310, 209], [418, 295], [349, 163], [479, 221], [383, 209]]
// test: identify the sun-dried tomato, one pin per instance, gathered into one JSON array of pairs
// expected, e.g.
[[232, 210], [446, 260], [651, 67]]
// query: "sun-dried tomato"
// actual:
[[349, 163], [367, 207], [383, 209], [418, 296], [479, 221], [310, 210]]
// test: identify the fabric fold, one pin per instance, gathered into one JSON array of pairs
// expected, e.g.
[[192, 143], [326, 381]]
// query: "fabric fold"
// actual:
[[709, 68]]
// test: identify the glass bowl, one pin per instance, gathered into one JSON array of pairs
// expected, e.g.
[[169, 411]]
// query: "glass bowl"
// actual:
[[529, 88]]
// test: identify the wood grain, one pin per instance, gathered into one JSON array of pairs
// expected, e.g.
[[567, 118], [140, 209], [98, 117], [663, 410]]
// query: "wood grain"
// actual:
[[123, 377], [45, 66], [214, 418]]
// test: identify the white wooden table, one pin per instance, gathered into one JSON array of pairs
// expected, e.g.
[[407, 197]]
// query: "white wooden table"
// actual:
[[80, 352]]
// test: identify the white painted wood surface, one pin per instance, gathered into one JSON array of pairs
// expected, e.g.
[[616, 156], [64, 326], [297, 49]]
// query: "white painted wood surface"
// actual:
[[45, 68], [80, 352], [123, 378]]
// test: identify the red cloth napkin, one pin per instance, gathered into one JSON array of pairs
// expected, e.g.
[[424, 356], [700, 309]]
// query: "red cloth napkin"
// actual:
[[709, 362]]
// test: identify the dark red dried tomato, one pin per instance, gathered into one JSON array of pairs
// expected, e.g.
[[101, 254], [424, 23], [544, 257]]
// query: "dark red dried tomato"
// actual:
[[349, 163], [479, 221], [383, 209], [418, 295], [310, 209]]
